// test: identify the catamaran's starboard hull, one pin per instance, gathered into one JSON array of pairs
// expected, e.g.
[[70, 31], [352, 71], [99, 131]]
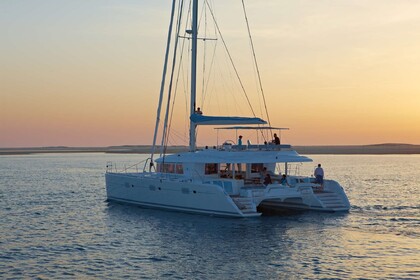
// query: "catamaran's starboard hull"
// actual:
[[174, 195], [275, 206], [331, 198]]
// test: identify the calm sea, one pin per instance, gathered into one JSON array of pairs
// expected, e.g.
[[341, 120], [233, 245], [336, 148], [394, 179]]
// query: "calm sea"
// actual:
[[55, 224]]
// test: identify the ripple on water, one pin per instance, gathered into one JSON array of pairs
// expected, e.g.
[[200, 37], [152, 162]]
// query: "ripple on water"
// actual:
[[56, 223]]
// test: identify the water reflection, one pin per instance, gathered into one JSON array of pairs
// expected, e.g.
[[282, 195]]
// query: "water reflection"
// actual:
[[203, 243]]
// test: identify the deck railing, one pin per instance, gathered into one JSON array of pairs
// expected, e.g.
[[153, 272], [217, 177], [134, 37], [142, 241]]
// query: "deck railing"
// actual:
[[111, 167]]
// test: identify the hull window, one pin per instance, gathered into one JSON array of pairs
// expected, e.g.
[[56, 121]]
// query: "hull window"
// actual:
[[170, 168], [211, 168], [179, 169]]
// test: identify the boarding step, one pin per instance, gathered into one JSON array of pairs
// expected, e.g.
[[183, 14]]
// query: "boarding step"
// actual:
[[245, 204], [331, 200]]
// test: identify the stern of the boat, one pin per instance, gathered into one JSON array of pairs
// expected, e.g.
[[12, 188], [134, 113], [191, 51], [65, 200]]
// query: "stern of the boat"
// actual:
[[330, 197]]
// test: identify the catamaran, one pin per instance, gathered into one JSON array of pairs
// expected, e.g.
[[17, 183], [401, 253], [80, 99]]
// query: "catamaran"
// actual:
[[228, 179]]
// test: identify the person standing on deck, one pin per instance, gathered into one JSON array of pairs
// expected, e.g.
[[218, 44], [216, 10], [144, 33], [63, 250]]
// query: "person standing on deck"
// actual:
[[276, 139], [267, 180], [240, 140], [319, 174]]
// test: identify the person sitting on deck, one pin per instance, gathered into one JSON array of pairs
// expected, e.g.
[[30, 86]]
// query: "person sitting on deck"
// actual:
[[283, 180], [263, 172], [276, 139], [267, 180], [198, 111]]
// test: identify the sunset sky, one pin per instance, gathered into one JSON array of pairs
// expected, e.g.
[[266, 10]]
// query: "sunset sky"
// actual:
[[87, 73]]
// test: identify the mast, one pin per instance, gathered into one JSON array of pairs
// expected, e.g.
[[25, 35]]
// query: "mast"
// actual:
[[194, 32], [162, 84]]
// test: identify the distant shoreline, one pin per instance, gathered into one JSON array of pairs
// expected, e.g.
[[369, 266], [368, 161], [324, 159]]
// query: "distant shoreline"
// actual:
[[377, 149]]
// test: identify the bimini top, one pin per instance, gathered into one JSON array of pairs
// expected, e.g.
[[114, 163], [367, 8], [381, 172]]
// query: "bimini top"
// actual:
[[218, 120], [222, 156], [253, 128]]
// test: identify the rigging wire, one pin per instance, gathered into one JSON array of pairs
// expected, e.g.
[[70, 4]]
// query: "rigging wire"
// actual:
[[188, 83], [162, 87], [178, 75], [205, 83], [176, 138], [182, 77], [204, 57], [178, 26], [206, 90], [176, 87], [255, 61], [231, 59]]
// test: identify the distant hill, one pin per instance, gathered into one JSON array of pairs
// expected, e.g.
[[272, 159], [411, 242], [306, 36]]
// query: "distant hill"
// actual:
[[125, 149], [377, 149]]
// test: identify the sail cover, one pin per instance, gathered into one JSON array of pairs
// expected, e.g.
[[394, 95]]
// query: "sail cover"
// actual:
[[218, 120]]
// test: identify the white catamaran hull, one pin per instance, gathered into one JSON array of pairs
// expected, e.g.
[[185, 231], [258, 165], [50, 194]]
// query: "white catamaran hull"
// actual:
[[211, 199]]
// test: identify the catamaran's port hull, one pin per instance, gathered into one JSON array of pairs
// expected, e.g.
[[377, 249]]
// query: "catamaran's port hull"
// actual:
[[174, 195]]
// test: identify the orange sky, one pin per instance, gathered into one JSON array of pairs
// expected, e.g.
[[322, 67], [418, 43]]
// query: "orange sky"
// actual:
[[87, 73]]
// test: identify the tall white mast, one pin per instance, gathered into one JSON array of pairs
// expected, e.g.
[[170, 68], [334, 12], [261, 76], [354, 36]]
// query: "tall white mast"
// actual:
[[194, 32], [162, 85]]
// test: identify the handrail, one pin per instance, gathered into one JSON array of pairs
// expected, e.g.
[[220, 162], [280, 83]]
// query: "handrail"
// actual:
[[136, 165], [109, 166]]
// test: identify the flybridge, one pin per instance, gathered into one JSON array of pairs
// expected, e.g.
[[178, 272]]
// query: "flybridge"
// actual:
[[243, 156]]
